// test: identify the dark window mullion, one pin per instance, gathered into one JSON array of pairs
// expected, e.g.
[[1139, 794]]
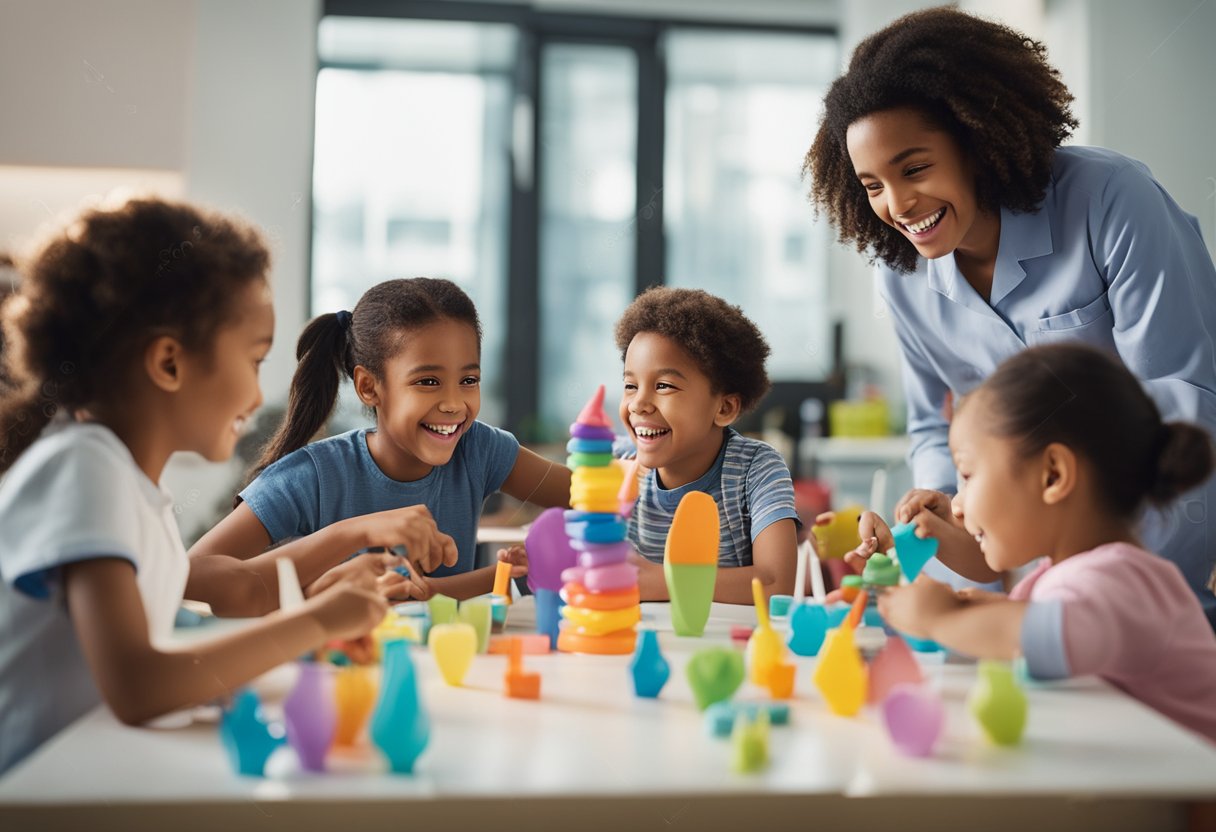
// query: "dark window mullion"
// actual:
[[652, 88]]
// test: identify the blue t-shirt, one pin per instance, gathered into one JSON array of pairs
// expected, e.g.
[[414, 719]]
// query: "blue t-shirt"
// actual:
[[751, 485], [336, 479]]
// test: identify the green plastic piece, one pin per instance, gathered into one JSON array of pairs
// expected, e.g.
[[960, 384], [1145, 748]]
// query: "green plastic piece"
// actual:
[[442, 609], [582, 459], [749, 743], [880, 571], [477, 611], [998, 703], [851, 580], [714, 674], [691, 587]]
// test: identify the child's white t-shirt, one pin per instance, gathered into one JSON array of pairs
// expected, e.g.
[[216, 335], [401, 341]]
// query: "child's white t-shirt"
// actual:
[[75, 494]]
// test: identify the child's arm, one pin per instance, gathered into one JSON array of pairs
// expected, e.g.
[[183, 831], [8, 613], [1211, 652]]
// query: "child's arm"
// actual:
[[537, 480], [140, 682], [239, 582], [984, 628]]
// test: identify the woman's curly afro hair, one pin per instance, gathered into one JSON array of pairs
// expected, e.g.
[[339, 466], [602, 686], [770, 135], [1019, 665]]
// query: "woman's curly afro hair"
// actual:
[[988, 85]]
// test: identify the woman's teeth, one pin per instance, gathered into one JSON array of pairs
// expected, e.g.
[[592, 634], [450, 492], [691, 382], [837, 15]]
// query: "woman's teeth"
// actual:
[[927, 223]]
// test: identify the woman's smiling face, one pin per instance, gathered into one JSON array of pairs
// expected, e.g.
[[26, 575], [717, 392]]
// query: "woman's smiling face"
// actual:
[[918, 180]]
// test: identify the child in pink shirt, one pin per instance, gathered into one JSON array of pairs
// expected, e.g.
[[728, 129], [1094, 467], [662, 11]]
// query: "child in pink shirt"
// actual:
[[1056, 452]]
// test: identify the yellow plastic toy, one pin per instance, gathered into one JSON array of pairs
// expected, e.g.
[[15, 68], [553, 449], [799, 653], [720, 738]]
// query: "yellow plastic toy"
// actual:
[[841, 674], [453, 646], [354, 696], [601, 622], [765, 647], [838, 535]]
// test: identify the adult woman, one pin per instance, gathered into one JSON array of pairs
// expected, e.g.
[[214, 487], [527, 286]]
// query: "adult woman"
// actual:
[[939, 154]]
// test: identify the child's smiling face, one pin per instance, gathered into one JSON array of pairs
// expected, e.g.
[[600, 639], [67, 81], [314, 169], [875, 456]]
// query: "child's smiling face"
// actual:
[[671, 410], [429, 397], [1000, 496]]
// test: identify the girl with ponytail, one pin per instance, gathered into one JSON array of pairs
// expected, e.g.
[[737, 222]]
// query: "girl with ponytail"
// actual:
[[412, 350], [1057, 453], [135, 333]]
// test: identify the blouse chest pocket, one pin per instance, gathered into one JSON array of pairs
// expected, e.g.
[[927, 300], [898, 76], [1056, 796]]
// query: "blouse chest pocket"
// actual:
[[1092, 323]]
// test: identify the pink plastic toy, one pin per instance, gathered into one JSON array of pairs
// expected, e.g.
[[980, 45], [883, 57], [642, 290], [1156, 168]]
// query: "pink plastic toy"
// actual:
[[914, 717]]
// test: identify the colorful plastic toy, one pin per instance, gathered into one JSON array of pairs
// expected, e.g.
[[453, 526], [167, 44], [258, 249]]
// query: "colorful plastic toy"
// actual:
[[499, 605], [850, 586], [714, 674], [247, 736], [648, 668], [618, 577], [880, 571], [998, 703], [534, 644], [690, 562], [618, 643], [354, 696], [599, 622], [453, 646], [766, 651], [779, 605], [548, 614], [808, 626], [627, 497], [549, 551], [911, 551], [477, 612], [577, 595], [840, 674], [837, 536], [502, 581], [914, 717], [517, 683], [893, 666], [442, 609], [310, 716], [400, 727], [720, 716], [749, 743]]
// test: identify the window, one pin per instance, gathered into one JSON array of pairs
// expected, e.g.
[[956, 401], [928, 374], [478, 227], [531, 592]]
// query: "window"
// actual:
[[555, 164]]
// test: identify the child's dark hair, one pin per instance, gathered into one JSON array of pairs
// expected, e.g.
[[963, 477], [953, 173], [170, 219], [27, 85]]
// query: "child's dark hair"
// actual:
[[333, 344], [987, 85], [725, 345], [96, 293], [1083, 398]]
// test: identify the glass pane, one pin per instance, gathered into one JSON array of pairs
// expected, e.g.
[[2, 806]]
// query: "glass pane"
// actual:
[[588, 145], [741, 111], [410, 176]]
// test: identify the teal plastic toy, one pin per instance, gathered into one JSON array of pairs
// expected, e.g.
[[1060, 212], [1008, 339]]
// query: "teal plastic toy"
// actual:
[[912, 552], [400, 726], [808, 626], [720, 716], [714, 674], [247, 737], [650, 671]]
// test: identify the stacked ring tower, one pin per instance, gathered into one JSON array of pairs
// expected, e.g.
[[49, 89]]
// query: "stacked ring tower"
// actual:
[[601, 593]]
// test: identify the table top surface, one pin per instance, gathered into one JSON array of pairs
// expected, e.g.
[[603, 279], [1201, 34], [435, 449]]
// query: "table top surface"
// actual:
[[590, 735]]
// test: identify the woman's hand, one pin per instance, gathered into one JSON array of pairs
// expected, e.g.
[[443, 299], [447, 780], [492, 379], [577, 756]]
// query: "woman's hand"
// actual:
[[413, 528]]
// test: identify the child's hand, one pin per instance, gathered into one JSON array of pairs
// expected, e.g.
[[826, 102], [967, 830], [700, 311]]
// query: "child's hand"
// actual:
[[652, 583], [346, 611], [363, 571], [916, 608], [875, 537], [517, 556], [975, 595], [398, 587], [413, 528]]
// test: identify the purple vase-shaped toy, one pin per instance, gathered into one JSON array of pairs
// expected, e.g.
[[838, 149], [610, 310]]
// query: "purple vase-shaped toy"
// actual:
[[310, 715], [400, 726]]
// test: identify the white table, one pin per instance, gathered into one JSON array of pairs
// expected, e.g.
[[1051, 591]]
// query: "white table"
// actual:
[[591, 755]]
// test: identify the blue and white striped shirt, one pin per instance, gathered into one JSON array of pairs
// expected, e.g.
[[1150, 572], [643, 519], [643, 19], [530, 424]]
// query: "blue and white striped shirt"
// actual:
[[751, 485]]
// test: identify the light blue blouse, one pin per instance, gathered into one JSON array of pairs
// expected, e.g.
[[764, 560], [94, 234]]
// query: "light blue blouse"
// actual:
[[1108, 259]]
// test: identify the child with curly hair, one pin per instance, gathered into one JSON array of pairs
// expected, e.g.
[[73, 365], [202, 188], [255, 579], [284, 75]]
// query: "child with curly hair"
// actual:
[[693, 365], [939, 154]]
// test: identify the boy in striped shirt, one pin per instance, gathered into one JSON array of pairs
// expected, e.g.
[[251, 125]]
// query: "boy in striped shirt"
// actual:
[[693, 365]]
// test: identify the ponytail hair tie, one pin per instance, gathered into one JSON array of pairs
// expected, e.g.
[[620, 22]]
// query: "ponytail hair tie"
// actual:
[[343, 319]]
